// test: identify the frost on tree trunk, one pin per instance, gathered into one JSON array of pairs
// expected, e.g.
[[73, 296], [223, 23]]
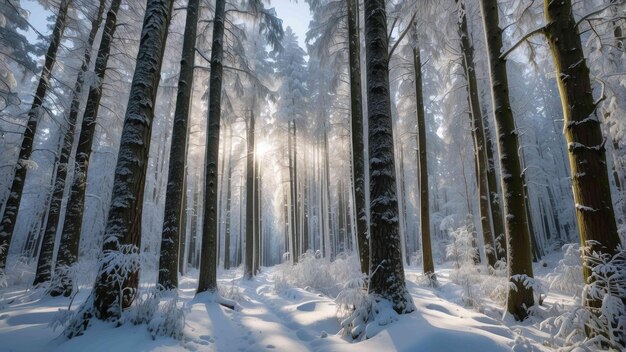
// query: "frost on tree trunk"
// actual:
[[70, 236], [520, 296], [44, 262], [478, 133], [387, 274], [208, 262], [358, 148], [118, 276], [427, 254], [12, 204], [172, 217], [248, 265], [587, 157]]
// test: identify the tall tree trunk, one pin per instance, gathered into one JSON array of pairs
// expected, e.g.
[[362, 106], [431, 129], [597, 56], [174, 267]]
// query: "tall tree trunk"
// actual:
[[70, 235], [208, 263], [257, 214], [44, 263], [387, 278], [422, 160], [12, 204], [249, 258], [520, 296], [227, 229], [122, 237], [293, 185], [328, 249], [587, 157], [358, 147], [478, 133], [170, 237]]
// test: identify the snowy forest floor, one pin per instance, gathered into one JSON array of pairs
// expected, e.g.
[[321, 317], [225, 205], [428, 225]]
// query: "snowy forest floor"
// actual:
[[275, 317]]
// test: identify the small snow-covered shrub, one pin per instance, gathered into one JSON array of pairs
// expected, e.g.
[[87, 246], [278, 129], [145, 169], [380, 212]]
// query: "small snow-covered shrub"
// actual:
[[169, 318], [568, 275], [586, 327], [231, 292], [353, 294], [317, 274], [368, 318], [161, 311], [466, 273], [496, 284]]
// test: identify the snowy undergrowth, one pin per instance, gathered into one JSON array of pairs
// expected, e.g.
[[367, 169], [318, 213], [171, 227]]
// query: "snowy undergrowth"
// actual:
[[567, 276], [161, 311], [317, 274], [588, 328]]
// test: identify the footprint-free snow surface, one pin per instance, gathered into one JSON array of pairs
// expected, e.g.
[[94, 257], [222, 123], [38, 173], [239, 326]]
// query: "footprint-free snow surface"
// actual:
[[293, 319]]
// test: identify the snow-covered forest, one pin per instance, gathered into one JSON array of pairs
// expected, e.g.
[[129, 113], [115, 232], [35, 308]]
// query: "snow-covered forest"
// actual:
[[312, 175]]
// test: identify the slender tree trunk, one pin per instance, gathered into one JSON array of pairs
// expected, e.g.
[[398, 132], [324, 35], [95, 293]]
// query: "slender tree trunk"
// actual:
[[173, 213], [494, 192], [427, 255], [122, 237], [328, 249], [358, 148], [587, 157], [44, 264], [227, 229], [70, 235], [478, 133], [387, 278], [293, 184], [249, 258], [12, 204], [257, 214], [520, 296], [208, 264]]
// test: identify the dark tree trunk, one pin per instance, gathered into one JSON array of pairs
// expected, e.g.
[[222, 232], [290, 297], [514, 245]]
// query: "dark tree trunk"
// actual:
[[387, 278], [587, 157], [293, 185], [70, 235], [520, 296], [12, 204], [478, 133], [170, 237], [122, 237], [44, 263], [249, 257], [422, 160], [208, 262], [227, 226], [358, 148]]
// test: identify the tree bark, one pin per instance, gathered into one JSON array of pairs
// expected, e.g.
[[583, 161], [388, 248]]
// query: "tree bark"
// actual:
[[12, 203], [227, 226], [422, 160], [70, 235], [387, 273], [587, 156], [122, 237], [520, 296], [478, 134], [170, 237], [249, 258], [44, 262], [358, 147], [208, 263]]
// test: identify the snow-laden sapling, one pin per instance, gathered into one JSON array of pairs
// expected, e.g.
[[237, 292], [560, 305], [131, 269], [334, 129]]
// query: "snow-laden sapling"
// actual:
[[568, 275], [464, 254], [588, 326]]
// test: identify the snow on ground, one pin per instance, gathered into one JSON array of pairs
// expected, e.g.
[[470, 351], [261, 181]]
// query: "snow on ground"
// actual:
[[293, 319]]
